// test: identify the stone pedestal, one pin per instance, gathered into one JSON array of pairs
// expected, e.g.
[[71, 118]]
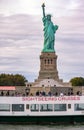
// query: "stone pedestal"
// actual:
[[48, 66]]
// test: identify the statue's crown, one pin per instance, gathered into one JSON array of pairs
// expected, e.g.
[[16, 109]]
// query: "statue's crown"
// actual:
[[48, 15]]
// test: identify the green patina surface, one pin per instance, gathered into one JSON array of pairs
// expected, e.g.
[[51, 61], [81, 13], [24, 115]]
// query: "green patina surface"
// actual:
[[49, 32]]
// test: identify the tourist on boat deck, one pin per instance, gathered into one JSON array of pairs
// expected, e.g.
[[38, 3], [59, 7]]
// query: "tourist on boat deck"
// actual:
[[7, 94], [27, 90], [61, 94], [2, 93], [49, 93], [37, 93]]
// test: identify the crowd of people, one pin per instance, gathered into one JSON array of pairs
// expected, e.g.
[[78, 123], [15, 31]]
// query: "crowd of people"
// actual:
[[38, 93]]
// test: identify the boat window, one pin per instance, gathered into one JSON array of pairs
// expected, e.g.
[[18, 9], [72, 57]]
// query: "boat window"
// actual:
[[27, 106], [46, 107], [59, 107], [79, 107], [34, 107], [4, 107], [69, 106], [18, 107]]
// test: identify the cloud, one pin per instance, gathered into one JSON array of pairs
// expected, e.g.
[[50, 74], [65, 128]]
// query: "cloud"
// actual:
[[21, 41]]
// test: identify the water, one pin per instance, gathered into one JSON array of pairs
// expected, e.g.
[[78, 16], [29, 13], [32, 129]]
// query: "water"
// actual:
[[40, 127]]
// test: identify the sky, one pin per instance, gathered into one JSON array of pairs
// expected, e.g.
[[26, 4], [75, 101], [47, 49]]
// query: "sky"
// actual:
[[21, 37]]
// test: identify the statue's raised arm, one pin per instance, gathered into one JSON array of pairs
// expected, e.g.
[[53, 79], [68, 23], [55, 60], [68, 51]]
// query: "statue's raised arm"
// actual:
[[43, 8]]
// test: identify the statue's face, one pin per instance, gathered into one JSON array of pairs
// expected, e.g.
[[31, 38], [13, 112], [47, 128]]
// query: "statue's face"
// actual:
[[49, 17]]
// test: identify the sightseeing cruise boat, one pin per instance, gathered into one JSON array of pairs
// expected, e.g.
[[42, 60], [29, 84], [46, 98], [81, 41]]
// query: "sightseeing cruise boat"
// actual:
[[42, 109]]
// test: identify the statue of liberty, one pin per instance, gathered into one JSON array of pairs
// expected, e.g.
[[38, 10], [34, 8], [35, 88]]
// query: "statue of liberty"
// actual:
[[49, 32]]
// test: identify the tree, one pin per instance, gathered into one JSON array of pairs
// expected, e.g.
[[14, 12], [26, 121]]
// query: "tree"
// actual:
[[77, 81], [12, 80]]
